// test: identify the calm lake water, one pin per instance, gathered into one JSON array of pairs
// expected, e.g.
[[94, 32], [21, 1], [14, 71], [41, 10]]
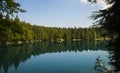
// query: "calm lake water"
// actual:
[[49, 57]]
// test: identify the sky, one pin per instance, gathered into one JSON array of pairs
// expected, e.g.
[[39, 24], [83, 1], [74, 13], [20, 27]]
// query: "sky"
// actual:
[[58, 13]]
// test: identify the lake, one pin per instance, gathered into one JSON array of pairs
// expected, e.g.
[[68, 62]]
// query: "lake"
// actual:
[[52, 57]]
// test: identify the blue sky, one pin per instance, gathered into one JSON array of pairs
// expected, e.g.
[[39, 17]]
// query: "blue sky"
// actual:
[[57, 13]]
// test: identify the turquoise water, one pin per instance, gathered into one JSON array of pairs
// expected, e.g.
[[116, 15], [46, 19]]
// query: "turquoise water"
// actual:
[[49, 57]]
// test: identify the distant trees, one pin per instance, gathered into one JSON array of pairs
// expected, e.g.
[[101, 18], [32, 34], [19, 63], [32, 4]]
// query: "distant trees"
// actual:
[[14, 30], [9, 27]]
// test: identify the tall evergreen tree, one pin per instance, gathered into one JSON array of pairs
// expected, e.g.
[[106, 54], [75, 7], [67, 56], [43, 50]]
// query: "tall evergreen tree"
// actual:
[[109, 18]]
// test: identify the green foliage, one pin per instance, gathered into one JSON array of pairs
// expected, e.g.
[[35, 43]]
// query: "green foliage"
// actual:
[[108, 18], [9, 7], [14, 30]]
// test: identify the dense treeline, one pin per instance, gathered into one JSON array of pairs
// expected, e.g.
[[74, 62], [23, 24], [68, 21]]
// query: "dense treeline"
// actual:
[[15, 30]]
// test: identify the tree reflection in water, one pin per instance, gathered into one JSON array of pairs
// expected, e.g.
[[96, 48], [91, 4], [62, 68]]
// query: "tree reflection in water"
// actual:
[[102, 67], [14, 55], [114, 55], [114, 48]]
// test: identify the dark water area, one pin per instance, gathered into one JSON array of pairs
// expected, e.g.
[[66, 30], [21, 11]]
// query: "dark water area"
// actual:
[[52, 57]]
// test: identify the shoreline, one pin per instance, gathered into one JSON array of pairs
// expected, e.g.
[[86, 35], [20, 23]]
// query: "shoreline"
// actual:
[[60, 41]]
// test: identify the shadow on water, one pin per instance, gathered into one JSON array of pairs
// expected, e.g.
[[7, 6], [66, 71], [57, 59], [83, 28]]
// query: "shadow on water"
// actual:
[[13, 55], [114, 55], [114, 51]]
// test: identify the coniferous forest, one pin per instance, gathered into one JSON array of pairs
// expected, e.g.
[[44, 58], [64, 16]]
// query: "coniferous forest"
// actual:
[[16, 31], [51, 56], [13, 30]]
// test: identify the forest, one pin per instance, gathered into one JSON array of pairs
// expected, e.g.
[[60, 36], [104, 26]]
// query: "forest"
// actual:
[[15, 31], [12, 30]]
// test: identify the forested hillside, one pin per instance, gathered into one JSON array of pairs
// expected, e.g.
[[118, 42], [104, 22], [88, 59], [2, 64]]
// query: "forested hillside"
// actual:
[[14, 30]]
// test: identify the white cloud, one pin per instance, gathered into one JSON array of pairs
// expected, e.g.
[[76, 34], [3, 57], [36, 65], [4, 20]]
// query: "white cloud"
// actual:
[[100, 2], [84, 1]]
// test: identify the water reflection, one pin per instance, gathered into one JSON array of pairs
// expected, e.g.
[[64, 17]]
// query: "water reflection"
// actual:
[[113, 65], [14, 55], [114, 51], [102, 67]]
